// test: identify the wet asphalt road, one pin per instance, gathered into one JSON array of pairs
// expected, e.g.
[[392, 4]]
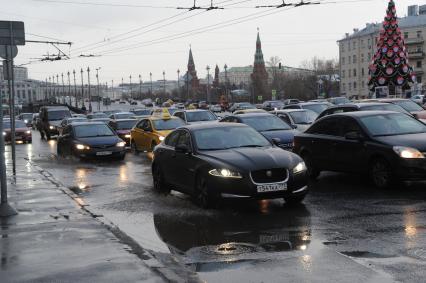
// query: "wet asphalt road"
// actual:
[[346, 231]]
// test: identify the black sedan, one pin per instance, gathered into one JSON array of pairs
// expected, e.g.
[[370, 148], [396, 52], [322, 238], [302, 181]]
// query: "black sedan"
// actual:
[[90, 140], [387, 146], [210, 161]]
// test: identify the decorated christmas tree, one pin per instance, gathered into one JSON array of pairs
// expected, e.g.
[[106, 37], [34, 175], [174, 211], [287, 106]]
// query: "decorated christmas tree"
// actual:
[[389, 66]]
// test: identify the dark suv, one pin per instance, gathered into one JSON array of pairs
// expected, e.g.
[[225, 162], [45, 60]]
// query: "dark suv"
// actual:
[[50, 118]]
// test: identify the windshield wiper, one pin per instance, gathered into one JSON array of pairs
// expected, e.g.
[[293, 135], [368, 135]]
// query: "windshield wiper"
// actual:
[[270, 130], [248, 145]]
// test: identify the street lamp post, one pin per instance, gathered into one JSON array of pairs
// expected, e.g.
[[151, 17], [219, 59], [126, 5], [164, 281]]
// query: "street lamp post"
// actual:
[[82, 88], [75, 89], [140, 86], [112, 89], [57, 84], [164, 83], [208, 83], [63, 88], [150, 78], [99, 93], [178, 72], [131, 89], [45, 91], [69, 87], [89, 93], [226, 81]]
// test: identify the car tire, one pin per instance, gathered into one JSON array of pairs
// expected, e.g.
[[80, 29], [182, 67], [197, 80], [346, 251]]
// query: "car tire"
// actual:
[[312, 172], [381, 173], [133, 147], [202, 196], [160, 185], [294, 200]]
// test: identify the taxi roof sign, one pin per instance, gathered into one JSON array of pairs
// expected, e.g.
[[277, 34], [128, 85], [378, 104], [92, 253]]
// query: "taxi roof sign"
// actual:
[[166, 114]]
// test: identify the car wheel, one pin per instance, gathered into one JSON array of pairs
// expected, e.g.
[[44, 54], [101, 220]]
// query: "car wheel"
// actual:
[[381, 173], [312, 171], [133, 147], [160, 185], [202, 196], [294, 200]]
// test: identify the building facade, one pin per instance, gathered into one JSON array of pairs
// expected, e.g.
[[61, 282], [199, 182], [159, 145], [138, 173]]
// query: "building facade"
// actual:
[[356, 51]]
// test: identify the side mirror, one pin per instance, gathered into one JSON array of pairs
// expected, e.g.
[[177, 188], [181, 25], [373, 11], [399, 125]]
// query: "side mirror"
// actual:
[[294, 126], [276, 141], [415, 115], [182, 148], [354, 136]]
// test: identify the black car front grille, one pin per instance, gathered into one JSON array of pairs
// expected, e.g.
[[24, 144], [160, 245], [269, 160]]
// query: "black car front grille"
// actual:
[[103, 146], [275, 175], [287, 146]]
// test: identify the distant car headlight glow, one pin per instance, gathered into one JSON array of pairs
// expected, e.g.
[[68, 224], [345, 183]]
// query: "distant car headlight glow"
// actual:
[[161, 138], [127, 136], [300, 167], [51, 127], [28, 132], [25, 121], [408, 152], [4, 133], [121, 144], [225, 173], [82, 147]]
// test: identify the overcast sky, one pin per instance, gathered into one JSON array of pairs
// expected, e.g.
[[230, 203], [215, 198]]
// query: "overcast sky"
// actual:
[[104, 27]]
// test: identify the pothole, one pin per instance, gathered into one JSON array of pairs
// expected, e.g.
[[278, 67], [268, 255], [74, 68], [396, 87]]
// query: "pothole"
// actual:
[[229, 249]]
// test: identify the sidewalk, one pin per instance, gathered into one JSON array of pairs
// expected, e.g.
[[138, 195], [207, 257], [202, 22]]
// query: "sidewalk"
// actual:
[[53, 239]]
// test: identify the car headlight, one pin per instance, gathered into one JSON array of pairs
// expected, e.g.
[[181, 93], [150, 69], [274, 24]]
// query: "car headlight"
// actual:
[[161, 138], [127, 136], [225, 173], [121, 144], [26, 121], [4, 133], [408, 152], [51, 127], [28, 132], [81, 147], [300, 167]]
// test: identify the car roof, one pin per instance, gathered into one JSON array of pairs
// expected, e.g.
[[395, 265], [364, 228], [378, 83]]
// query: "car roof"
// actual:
[[392, 99], [363, 113], [124, 120], [254, 114], [212, 126], [86, 123], [312, 103], [123, 112], [291, 110], [56, 107], [152, 118], [193, 110]]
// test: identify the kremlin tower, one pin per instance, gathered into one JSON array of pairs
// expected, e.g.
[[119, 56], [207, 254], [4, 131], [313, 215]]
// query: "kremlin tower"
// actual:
[[259, 77]]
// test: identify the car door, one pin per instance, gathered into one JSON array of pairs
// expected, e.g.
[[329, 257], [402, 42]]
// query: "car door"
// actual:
[[64, 140], [184, 164], [321, 137], [137, 134], [349, 153]]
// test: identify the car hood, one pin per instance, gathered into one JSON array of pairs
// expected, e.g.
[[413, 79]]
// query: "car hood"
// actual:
[[420, 114], [302, 127], [417, 141], [285, 136], [250, 159], [17, 130], [55, 123], [95, 141]]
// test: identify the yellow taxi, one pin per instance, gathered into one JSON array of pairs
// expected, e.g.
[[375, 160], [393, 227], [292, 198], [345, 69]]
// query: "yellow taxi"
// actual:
[[150, 131]]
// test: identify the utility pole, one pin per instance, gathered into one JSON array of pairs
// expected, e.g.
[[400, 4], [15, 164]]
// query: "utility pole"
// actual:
[[130, 77], [178, 72], [69, 87], [208, 83], [226, 81], [150, 78], [50, 91], [112, 89], [75, 89], [45, 91], [82, 88], [140, 86], [99, 94], [88, 83], [57, 84], [122, 85], [164, 83]]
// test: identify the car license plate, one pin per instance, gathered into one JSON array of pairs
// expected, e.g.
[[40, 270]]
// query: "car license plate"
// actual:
[[271, 188], [102, 153]]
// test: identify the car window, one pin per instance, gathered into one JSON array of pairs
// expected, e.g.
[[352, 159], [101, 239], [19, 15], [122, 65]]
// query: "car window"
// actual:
[[291, 107], [141, 124], [408, 105], [124, 125], [285, 118], [328, 127], [168, 124], [172, 138], [266, 123], [348, 125], [200, 116], [95, 130], [67, 130], [180, 115], [303, 117], [184, 139], [392, 124]]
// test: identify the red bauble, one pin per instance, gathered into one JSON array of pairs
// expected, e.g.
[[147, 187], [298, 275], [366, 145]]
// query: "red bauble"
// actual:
[[382, 80], [400, 80], [389, 71], [389, 53], [397, 61], [395, 49], [405, 68]]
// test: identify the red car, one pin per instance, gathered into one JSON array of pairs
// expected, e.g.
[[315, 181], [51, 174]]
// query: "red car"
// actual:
[[22, 132], [122, 127]]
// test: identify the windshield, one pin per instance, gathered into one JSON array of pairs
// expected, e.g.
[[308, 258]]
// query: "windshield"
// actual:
[[126, 125], [340, 100], [18, 124], [265, 123], [99, 115], [142, 112], [58, 115], [123, 116], [27, 116], [170, 124], [200, 116], [303, 117], [392, 125], [228, 137], [386, 107], [277, 104], [172, 110], [98, 130], [317, 108], [70, 121], [409, 105]]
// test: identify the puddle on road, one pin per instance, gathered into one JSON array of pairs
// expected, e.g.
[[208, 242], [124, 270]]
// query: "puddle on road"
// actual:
[[365, 254]]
